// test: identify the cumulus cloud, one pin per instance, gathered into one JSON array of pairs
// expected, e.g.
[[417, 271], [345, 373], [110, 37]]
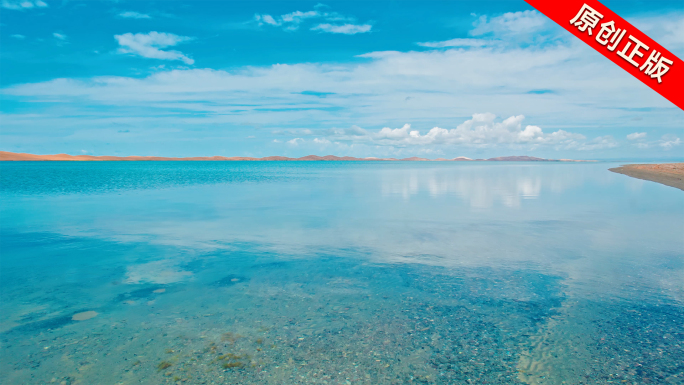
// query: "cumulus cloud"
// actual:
[[59, 36], [22, 4], [134, 15], [18, 36], [392, 88], [347, 29], [149, 45], [291, 21], [636, 136], [397, 133], [428, 88], [482, 130], [322, 141]]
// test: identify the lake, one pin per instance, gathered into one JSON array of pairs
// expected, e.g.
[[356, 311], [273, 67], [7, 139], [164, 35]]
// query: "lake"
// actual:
[[339, 273]]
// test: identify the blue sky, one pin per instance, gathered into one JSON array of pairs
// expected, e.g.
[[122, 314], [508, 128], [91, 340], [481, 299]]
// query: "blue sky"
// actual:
[[433, 79]]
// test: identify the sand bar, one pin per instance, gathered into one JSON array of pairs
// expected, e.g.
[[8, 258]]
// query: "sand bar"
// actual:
[[670, 174]]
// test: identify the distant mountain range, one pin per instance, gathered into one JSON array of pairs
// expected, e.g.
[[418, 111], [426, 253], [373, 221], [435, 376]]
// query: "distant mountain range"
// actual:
[[13, 156]]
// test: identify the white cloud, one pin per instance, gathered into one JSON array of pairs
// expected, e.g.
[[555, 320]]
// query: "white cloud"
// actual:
[[353, 131], [293, 132], [636, 136], [669, 141], [600, 143], [511, 23], [134, 15], [17, 36], [428, 88], [291, 22], [669, 30], [481, 131], [59, 36], [347, 29], [508, 29], [441, 85], [149, 45], [457, 43], [298, 16], [268, 19], [673, 33], [397, 133], [22, 4]]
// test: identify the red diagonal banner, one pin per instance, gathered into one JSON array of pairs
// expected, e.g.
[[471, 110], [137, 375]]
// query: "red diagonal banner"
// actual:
[[620, 42]]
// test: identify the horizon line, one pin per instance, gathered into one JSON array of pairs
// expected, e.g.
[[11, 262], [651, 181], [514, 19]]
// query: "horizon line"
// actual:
[[17, 156]]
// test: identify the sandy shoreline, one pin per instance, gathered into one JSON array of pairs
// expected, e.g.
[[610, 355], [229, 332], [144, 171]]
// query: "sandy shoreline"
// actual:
[[670, 174]]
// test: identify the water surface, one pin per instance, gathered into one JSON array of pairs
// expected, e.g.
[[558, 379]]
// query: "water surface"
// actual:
[[339, 272]]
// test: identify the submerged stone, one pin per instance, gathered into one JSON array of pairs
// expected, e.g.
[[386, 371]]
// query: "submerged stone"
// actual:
[[86, 315]]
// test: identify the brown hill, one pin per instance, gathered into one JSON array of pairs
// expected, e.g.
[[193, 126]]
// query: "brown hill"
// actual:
[[521, 159]]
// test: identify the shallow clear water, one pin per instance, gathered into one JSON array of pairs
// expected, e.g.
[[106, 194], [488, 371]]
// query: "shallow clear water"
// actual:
[[339, 272]]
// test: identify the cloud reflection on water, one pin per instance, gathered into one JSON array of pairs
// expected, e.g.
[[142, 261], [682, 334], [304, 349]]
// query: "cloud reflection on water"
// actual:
[[574, 220]]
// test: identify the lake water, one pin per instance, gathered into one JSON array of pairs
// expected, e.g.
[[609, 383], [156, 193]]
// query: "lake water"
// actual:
[[339, 273]]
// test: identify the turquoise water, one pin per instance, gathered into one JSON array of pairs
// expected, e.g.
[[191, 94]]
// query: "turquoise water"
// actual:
[[338, 273]]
